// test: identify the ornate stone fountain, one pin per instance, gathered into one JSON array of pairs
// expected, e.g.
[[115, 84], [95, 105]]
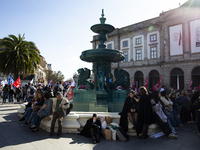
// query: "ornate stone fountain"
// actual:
[[97, 96]]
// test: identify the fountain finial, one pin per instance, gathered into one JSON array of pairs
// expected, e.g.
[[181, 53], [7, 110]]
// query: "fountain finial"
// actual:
[[102, 19]]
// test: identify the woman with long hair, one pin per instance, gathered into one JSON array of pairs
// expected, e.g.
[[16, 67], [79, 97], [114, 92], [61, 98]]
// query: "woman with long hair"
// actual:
[[29, 109], [159, 115], [44, 111], [145, 113], [130, 110], [36, 105]]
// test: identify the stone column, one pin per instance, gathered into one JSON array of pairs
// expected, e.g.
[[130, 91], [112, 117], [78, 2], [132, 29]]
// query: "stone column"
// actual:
[[186, 39]]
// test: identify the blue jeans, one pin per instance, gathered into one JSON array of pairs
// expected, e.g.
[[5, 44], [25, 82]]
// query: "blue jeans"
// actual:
[[31, 116], [178, 109], [170, 125], [5, 95], [28, 112], [176, 117], [37, 120], [10, 97], [172, 119]]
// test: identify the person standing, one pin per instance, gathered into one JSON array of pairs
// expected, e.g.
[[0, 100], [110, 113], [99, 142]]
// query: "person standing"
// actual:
[[198, 112], [145, 113], [59, 110], [194, 97], [5, 93], [176, 109], [183, 101], [18, 93], [11, 93], [31, 92]]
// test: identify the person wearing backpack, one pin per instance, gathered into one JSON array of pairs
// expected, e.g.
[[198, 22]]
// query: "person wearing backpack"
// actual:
[[59, 108], [31, 92]]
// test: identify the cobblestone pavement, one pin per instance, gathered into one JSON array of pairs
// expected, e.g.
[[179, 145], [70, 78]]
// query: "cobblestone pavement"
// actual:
[[15, 135]]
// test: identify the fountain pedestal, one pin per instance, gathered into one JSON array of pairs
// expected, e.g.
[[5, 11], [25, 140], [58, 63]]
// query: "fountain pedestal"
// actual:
[[101, 96]]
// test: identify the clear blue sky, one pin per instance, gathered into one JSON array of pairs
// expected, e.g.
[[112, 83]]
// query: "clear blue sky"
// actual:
[[61, 28]]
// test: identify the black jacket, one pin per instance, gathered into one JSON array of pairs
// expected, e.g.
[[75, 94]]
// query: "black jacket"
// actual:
[[128, 104], [195, 96], [145, 113], [89, 124]]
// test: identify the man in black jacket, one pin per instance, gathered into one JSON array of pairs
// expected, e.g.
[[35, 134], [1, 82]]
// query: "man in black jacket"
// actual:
[[92, 129], [194, 97]]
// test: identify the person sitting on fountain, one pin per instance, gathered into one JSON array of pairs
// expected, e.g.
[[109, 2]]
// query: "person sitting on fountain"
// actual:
[[130, 110], [92, 129]]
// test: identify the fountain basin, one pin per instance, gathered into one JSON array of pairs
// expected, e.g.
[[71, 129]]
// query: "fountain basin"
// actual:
[[106, 55], [106, 28]]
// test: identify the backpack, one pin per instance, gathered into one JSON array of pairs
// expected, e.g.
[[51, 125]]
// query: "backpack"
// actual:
[[69, 109], [32, 91]]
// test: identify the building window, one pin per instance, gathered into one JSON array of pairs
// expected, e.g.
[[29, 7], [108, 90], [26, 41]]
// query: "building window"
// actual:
[[125, 43], [138, 54], [126, 56], [138, 41], [153, 38], [153, 52], [109, 46]]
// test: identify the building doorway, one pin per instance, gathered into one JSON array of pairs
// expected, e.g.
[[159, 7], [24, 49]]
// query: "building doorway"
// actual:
[[196, 77], [177, 77], [153, 78], [139, 77]]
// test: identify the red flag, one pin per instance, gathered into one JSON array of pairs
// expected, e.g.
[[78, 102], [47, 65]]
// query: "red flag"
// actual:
[[158, 84], [180, 38], [191, 81], [134, 83], [17, 83], [146, 83]]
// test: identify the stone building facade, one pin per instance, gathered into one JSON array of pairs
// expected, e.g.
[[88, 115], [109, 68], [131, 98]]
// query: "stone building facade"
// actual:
[[168, 45]]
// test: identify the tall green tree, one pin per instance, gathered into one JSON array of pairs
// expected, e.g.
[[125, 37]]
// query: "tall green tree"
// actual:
[[55, 76], [18, 56]]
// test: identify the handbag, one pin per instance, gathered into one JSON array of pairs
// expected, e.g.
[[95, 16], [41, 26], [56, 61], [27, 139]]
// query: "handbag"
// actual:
[[107, 134], [36, 108], [42, 113], [167, 113]]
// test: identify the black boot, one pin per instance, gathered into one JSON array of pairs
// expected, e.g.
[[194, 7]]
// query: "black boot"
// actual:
[[93, 137]]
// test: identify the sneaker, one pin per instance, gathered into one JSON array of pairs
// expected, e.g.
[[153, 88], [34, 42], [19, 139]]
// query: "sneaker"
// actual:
[[172, 135], [174, 132], [22, 119]]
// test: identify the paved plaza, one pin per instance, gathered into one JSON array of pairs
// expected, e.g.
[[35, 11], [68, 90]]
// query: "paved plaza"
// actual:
[[16, 136]]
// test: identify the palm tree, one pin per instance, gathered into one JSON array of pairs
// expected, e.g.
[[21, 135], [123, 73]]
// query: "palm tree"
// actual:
[[18, 56]]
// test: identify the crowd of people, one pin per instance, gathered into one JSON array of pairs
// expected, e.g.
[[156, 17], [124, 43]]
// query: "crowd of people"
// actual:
[[26, 93], [40, 106], [168, 108]]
